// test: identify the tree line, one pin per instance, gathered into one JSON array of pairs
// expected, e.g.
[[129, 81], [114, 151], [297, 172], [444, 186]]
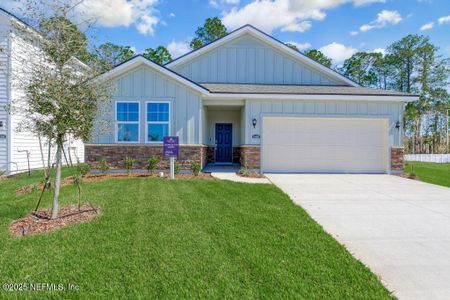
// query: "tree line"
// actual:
[[412, 65]]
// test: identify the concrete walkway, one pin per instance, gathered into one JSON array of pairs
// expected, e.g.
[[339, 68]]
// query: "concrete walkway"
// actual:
[[234, 177], [398, 227]]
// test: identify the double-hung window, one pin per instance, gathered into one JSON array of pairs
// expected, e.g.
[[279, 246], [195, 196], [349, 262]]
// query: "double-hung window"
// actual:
[[158, 121], [127, 120]]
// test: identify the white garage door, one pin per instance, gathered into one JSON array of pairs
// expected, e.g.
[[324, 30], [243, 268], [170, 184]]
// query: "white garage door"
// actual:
[[335, 145]]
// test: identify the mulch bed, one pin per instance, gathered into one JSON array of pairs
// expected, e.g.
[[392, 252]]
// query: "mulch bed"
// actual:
[[40, 222], [251, 175]]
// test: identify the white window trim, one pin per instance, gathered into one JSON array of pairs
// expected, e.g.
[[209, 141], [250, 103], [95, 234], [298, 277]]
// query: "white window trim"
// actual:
[[138, 122], [156, 122]]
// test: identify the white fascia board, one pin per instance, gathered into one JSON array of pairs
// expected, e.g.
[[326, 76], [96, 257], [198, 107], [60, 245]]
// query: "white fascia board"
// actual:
[[269, 40], [140, 60], [217, 96]]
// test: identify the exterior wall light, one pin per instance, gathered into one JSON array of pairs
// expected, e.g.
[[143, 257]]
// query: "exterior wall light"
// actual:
[[397, 125], [254, 121]]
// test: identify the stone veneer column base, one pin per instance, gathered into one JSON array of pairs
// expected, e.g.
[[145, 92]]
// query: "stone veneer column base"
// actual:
[[397, 162], [250, 157], [115, 153]]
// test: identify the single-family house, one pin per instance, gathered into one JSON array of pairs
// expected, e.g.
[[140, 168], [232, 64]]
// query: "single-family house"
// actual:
[[20, 149], [247, 98]]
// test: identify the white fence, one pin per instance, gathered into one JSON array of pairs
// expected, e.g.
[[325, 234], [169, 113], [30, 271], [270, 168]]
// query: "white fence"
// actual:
[[436, 158]]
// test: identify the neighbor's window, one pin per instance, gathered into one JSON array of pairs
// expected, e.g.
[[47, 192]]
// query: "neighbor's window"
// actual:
[[158, 120], [127, 118]]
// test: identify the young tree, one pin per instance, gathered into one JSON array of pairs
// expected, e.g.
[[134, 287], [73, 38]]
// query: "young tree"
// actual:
[[160, 55], [212, 30], [319, 57], [60, 98]]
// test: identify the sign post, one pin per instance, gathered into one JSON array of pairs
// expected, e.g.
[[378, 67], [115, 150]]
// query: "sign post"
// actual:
[[171, 144]]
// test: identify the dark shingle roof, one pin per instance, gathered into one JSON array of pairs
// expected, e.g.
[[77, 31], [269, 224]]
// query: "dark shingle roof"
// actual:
[[225, 88]]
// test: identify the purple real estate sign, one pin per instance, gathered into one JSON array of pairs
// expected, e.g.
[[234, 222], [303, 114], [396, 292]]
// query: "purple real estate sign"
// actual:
[[170, 146]]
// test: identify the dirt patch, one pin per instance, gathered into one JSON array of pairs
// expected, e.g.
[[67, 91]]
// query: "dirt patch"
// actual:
[[39, 222]]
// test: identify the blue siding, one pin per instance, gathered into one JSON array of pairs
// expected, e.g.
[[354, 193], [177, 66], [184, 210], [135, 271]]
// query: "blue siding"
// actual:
[[248, 60], [144, 84], [347, 109]]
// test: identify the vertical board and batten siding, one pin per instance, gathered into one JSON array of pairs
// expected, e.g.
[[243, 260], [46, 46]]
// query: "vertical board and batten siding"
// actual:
[[342, 109], [22, 50], [144, 84], [4, 94], [248, 60]]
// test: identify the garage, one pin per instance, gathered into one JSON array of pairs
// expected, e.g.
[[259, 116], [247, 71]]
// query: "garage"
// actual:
[[324, 145]]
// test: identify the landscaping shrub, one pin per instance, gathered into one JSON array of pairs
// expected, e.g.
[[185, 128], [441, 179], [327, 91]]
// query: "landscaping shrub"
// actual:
[[83, 169], [195, 167], [245, 172], [152, 163], [412, 174], [103, 166], [129, 163], [176, 168]]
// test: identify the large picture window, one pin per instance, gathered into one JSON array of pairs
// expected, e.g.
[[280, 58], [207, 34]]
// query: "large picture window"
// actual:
[[127, 119], [158, 121]]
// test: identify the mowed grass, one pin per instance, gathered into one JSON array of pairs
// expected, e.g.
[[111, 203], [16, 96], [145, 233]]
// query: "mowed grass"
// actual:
[[181, 239], [430, 172]]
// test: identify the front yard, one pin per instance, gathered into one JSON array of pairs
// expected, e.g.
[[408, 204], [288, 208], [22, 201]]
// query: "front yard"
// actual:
[[181, 239], [430, 172]]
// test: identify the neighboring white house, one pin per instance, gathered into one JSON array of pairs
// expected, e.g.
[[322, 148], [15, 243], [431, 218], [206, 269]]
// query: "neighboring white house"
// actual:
[[15, 144], [248, 98]]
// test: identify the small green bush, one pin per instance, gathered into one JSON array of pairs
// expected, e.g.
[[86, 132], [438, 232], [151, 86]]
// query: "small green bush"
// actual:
[[152, 164], [2, 172], [244, 172], [83, 169], [195, 168], [129, 163], [412, 174], [176, 168], [103, 166]]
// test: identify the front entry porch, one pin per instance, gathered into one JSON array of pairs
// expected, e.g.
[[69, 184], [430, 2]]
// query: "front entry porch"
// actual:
[[223, 134]]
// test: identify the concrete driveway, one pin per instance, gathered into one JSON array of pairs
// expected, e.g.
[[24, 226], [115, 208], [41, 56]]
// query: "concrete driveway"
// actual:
[[398, 227]]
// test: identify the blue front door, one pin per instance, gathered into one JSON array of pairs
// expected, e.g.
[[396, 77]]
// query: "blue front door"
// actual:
[[224, 145]]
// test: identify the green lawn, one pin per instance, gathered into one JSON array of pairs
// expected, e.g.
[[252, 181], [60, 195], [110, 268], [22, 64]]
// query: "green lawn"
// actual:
[[181, 239], [430, 172]]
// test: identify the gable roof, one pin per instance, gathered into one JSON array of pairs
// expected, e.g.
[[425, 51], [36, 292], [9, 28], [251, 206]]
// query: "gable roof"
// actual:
[[260, 35], [141, 60]]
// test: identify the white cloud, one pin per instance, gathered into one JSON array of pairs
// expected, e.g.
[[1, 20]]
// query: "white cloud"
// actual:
[[384, 18], [297, 27], [114, 13], [379, 50], [172, 15], [338, 52], [353, 32], [219, 3], [427, 26], [288, 15], [300, 46], [443, 20], [110, 13], [177, 49]]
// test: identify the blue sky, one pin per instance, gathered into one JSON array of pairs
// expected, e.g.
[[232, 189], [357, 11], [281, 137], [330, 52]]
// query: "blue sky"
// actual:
[[338, 27]]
